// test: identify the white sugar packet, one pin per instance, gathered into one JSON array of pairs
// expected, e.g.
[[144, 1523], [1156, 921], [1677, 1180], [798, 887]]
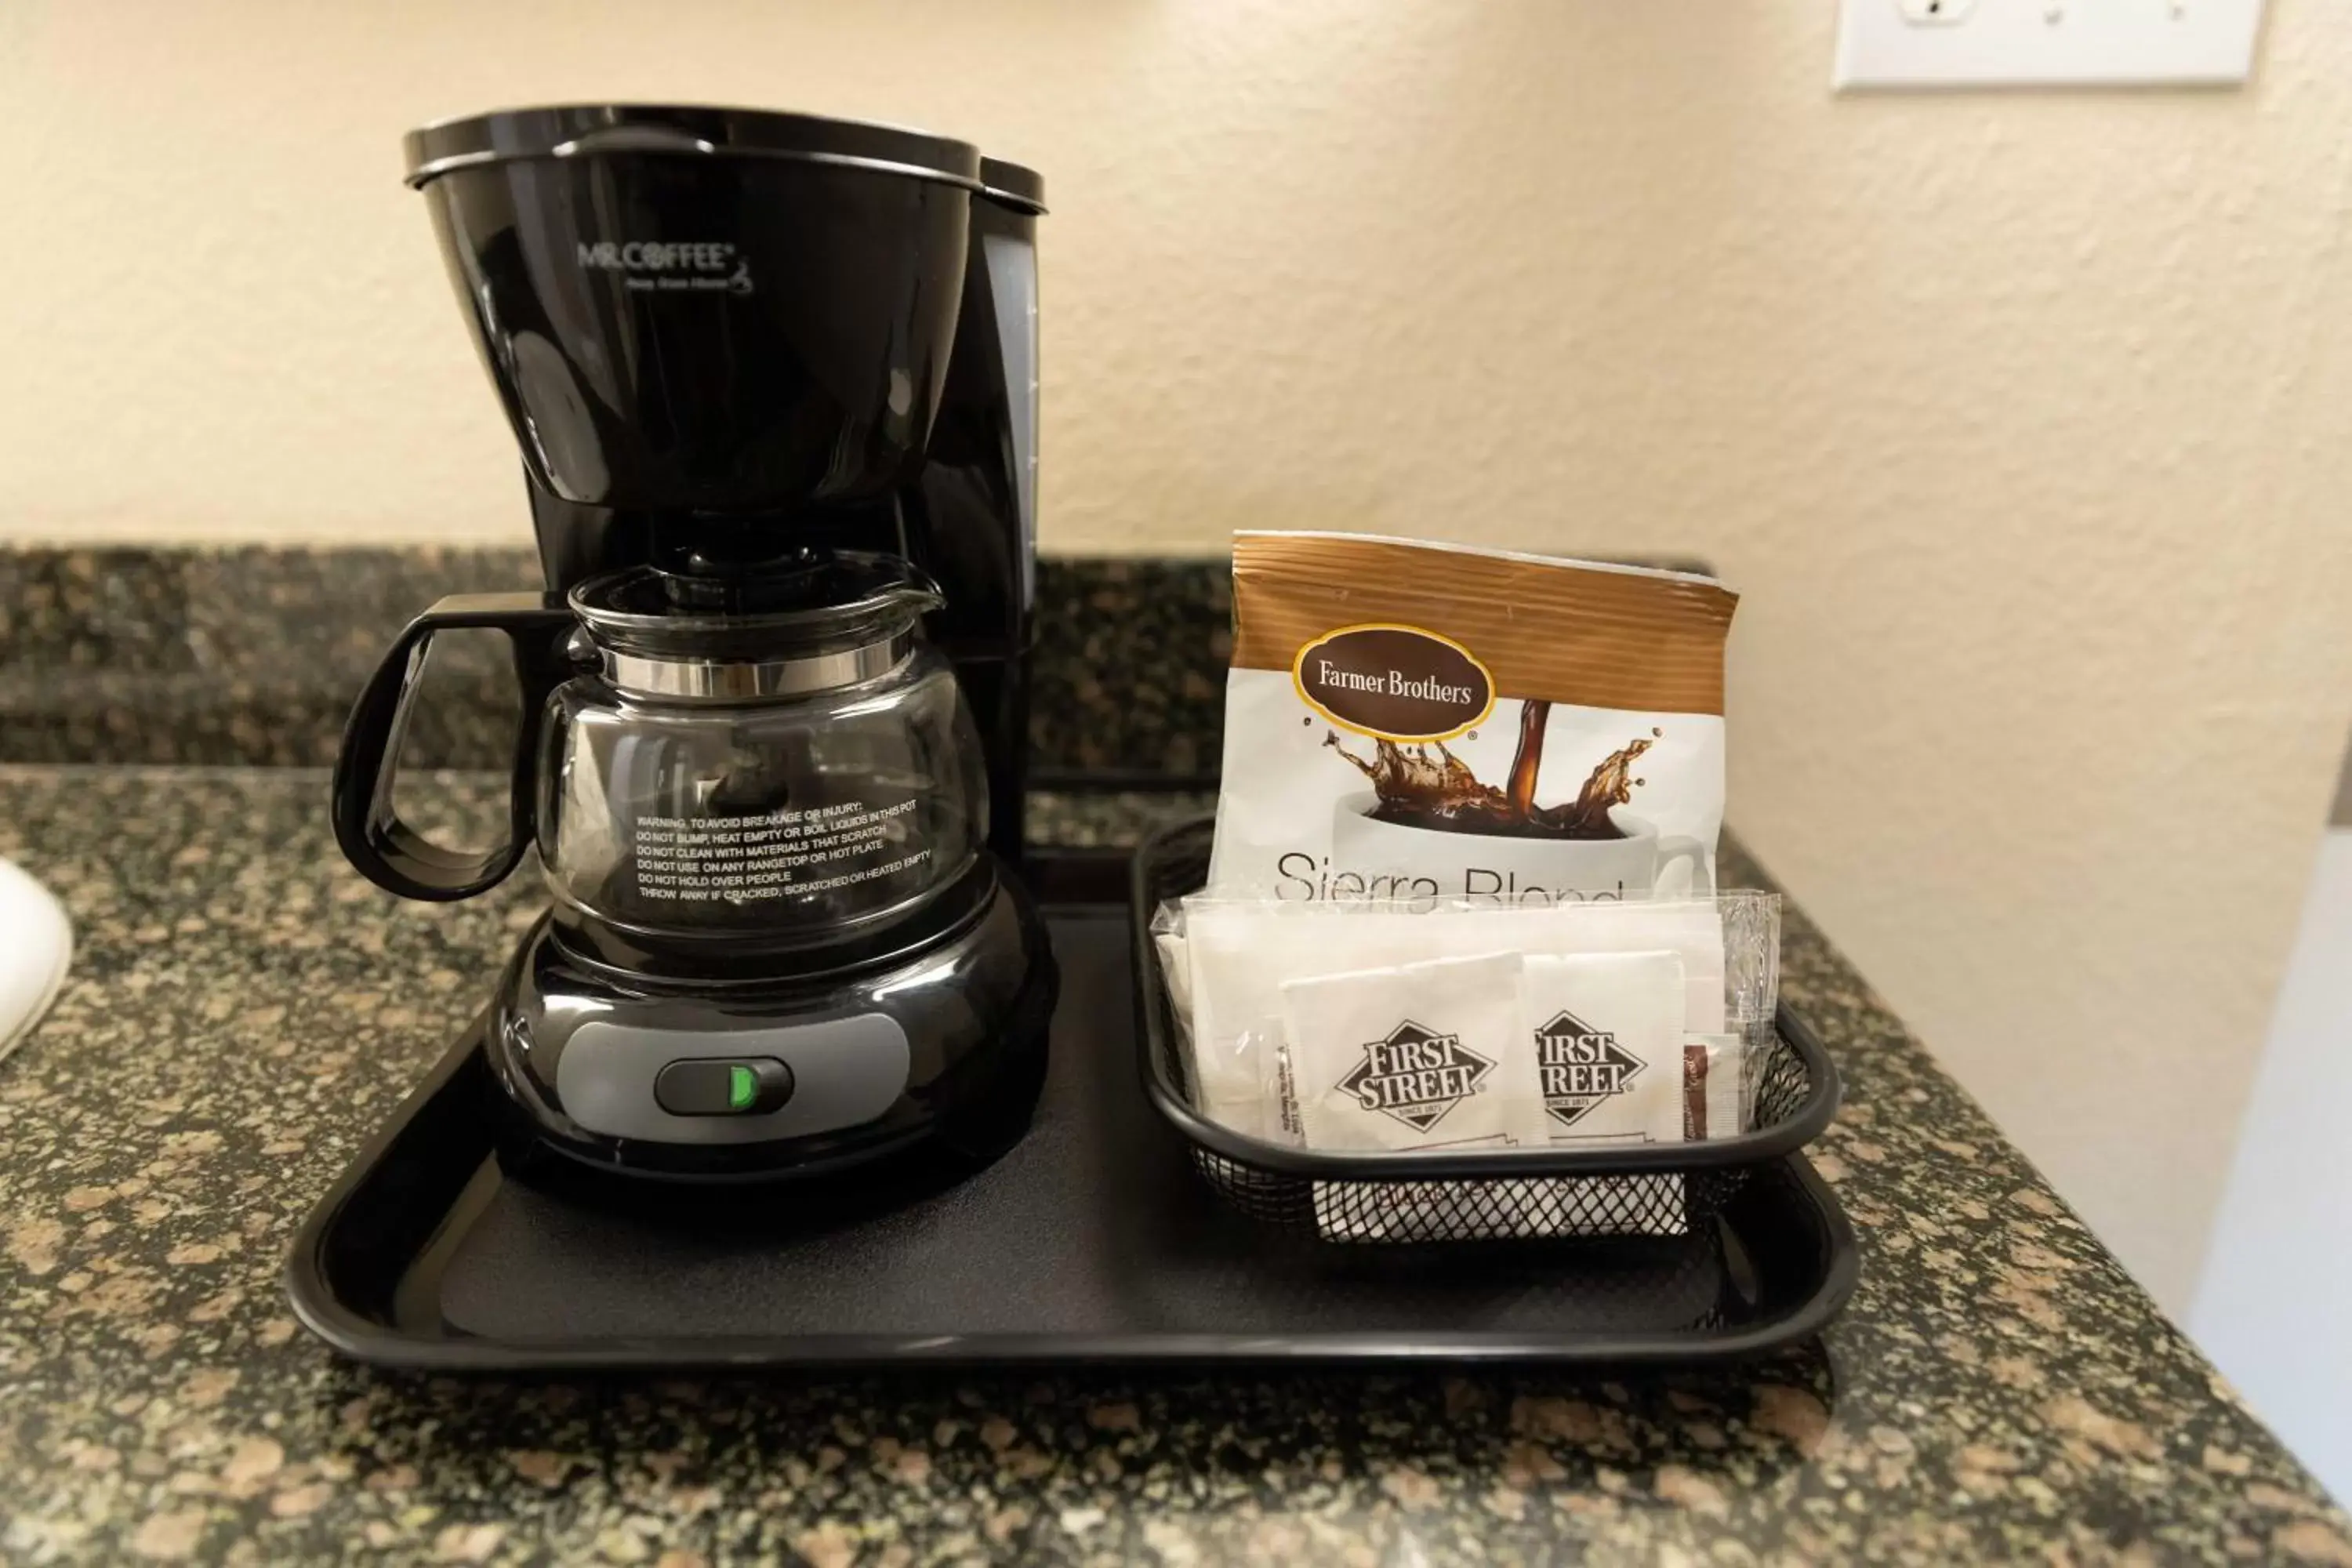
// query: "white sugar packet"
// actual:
[[1430, 1055], [1176, 970], [1693, 929], [1481, 1210], [1238, 953], [1489, 1209], [1419, 1055], [1357, 1085], [1608, 1035]]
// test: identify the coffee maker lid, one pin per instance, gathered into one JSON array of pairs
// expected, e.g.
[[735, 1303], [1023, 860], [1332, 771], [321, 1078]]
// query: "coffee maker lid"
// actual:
[[587, 129], [822, 600], [1013, 184]]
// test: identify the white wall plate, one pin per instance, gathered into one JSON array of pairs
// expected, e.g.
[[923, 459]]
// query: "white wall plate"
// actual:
[[2045, 42]]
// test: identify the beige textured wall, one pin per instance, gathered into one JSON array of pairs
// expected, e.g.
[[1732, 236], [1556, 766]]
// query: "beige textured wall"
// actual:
[[2021, 420]]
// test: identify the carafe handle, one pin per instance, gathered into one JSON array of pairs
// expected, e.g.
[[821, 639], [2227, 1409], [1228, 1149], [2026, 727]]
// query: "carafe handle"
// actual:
[[387, 851]]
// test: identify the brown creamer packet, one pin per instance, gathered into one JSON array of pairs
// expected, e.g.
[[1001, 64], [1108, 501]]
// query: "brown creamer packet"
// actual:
[[1718, 1096], [1412, 723]]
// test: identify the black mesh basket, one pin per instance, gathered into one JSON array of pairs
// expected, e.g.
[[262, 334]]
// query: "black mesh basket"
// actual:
[[1566, 1194]]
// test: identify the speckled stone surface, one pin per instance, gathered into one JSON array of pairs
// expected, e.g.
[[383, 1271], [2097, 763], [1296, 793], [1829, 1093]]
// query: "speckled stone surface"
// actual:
[[246, 655], [1130, 665], [253, 656], [245, 1011]]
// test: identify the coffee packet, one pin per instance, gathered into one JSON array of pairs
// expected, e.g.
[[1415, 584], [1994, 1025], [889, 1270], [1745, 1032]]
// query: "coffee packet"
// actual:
[[1411, 723], [1423, 1055], [1608, 1031]]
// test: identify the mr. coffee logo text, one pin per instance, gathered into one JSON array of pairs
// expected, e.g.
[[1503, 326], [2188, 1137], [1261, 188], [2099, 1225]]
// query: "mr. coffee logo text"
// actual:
[[671, 267], [1399, 683], [1581, 1066], [1416, 1074]]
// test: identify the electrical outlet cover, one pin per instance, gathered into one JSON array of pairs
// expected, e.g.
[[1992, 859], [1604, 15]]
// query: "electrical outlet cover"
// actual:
[[2045, 42]]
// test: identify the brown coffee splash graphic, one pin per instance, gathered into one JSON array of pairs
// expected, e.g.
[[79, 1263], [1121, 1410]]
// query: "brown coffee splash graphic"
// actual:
[[1428, 787]]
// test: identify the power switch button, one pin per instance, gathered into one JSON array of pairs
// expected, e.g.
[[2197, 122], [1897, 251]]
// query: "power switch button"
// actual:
[[723, 1086]]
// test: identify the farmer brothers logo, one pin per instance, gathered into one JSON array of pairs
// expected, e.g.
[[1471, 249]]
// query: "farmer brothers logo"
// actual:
[[1581, 1067], [1416, 1074]]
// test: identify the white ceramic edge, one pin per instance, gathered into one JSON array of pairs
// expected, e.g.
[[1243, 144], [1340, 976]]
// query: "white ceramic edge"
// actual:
[[42, 944]]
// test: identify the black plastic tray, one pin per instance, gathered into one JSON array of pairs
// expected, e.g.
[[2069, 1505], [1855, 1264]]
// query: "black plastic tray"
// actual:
[[1090, 1242]]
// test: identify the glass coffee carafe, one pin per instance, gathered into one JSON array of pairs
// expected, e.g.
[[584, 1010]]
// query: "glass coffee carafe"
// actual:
[[763, 761], [791, 777]]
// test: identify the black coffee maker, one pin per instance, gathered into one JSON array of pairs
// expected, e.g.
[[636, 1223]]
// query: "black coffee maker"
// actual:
[[774, 379]]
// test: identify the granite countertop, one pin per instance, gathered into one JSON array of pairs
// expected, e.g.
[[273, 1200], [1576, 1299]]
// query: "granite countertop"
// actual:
[[245, 1010]]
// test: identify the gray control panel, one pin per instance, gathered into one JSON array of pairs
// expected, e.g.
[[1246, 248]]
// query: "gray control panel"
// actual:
[[745, 1085]]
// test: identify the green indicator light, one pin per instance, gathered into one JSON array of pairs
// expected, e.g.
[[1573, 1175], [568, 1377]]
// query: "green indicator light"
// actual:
[[742, 1087]]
